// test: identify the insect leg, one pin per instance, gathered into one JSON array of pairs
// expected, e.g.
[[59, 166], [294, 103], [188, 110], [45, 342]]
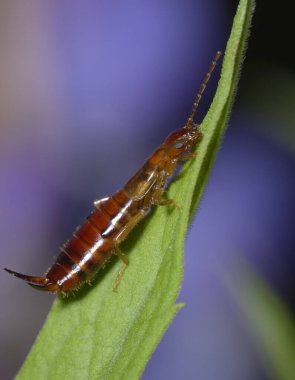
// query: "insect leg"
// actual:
[[98, 202], [158, 201], [125, 260], [169, 202], [186, 157]]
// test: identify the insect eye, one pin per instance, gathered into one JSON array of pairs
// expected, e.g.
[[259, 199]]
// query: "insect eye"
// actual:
[[178, 145]]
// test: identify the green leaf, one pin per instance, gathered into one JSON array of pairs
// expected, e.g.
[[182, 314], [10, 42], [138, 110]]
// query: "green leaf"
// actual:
[[215, 122], [100, 334], [270, 323]]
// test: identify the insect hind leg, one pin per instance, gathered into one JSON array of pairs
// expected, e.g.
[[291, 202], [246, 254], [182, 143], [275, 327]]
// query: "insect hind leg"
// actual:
[[125, 260], [40, 283]]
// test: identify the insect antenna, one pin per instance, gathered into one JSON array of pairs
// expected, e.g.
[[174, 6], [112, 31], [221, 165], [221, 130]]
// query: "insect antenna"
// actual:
[[202, 88]]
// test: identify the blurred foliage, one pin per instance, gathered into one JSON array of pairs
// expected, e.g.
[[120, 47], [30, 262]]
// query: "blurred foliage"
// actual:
[[270, 324], [101, 334], [271, 92]]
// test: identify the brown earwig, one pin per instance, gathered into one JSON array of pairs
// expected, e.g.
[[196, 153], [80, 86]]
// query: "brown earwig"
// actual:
[[114, 217]]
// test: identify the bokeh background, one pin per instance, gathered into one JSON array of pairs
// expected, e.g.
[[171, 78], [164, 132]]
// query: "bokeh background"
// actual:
[[87, 90]]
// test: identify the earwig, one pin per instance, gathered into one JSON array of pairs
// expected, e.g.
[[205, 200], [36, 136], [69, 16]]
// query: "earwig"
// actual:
[[114, 217]]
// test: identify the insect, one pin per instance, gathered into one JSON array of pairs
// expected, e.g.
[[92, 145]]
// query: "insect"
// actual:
[[114, 217]]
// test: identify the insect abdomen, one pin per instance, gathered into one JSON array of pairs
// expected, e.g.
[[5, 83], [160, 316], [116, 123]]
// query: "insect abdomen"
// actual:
[[92, 243]]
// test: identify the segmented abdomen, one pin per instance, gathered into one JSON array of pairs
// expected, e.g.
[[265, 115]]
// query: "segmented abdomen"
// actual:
[[93, 242]]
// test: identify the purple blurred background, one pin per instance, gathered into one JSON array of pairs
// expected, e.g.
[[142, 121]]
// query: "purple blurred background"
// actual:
[[87, 91]]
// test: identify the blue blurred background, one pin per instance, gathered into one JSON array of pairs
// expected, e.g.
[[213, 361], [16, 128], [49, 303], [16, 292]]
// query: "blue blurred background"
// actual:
[[88, 89]]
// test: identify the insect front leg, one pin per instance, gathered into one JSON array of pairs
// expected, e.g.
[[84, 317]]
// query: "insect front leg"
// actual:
[[157, 198], [186, 157], [125, 260]]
